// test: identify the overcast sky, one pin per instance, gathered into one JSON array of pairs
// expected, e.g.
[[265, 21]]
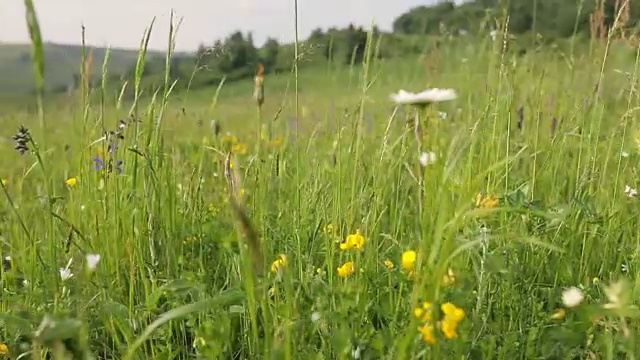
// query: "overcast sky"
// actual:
[[121, 23]]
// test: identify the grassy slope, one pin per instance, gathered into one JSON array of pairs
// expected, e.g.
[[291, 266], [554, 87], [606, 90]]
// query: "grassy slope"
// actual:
[[168, 222], [61, 62]]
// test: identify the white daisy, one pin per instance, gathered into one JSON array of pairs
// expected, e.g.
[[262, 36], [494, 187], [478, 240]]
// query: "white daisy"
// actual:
[[425, 97]]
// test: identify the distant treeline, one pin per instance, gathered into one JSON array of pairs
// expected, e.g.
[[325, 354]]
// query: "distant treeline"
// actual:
[[236, 57]]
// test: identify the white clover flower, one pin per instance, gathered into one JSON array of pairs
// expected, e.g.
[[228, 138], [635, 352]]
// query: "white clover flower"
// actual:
[[631, 192], [92, 261], [427, 158], [423, 98], [315, 317], [572, 297]]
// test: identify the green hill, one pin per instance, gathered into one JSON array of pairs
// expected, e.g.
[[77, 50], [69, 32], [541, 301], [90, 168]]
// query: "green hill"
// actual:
[[61, 63]]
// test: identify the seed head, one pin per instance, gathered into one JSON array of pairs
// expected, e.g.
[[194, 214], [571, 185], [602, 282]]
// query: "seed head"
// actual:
[[22, 139]]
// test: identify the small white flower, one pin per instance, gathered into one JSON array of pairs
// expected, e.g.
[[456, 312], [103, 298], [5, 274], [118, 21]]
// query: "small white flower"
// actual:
[[92, 261], [493, 34], [357, 353], [427, 158], [572, 297], [65, 274], [315, 317], [624, 154], [426, 97], [624, 268], [631, 192], [443, 115]]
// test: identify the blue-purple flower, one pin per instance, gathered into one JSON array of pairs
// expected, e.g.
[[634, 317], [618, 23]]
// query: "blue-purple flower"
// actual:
[[100, 165]]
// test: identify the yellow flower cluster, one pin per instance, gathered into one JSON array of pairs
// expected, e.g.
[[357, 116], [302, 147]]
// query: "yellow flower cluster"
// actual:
[[280, 263], [353, 241], [448, 325], [487, 201]]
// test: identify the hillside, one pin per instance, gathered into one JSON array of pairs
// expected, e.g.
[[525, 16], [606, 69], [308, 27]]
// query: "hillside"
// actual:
[[61, 63]]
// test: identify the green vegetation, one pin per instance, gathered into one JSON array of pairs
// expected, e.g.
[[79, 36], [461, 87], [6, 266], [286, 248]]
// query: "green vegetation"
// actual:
[[63, 63], [330, 222]]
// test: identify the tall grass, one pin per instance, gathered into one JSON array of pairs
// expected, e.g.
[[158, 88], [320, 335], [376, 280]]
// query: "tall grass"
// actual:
[[211, 250]]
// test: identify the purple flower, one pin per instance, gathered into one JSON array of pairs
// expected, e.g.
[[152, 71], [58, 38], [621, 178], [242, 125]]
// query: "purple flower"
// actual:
[[99, 165]]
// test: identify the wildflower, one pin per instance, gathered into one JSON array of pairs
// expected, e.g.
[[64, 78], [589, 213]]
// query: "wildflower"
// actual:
[[353, 241], [389, 264], [423, 313], [240, 148], [425, 97], [22, 139], [409, 260], [442, 115], [487, 201], [315, 317], [572, 297], [452, 312], [71, 182], [92, 261], [449, 278], [631, 192], [347, 269], [65, 274], [624, 154], [595, 281], [4, 182], [100, 165], [427, 158], [279, 264], [4, 349], [559, 314], [452, 316], [427, 333]]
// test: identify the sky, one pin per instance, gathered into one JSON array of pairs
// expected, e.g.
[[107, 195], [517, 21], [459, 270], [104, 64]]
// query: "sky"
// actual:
[[121, 23]]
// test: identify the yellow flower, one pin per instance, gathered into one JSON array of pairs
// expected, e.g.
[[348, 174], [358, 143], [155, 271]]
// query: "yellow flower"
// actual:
[[423, 313], [487, 201], [240, 148], [559, 314], [279, 264], [449, 328], [4, 182], [353, 241], [409, 260], [346, 269], [596, 281], [277, 142], [427, 333], [389, 264], [449, 278], [4, 349], [452, 312], [71, 182]]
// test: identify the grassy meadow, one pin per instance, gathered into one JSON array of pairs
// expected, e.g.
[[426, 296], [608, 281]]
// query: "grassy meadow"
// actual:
[[207, 227]]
